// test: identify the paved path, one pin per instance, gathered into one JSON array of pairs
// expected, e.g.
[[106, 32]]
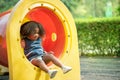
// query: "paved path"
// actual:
[[97, 68], [100, 68]]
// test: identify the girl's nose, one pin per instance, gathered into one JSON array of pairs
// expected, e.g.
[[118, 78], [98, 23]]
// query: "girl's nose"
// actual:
[[36, 35]]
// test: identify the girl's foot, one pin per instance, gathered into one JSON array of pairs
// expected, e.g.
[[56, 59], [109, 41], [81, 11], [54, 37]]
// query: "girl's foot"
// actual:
[[66, 69], [52, 73]]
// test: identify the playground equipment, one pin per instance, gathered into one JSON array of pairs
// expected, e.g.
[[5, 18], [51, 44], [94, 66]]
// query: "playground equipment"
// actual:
[[61, 38]]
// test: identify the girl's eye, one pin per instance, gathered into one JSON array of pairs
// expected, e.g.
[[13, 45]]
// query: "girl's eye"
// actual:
[[33, 32]]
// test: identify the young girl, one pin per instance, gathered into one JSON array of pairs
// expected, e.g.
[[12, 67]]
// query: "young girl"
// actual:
[[32, 33]]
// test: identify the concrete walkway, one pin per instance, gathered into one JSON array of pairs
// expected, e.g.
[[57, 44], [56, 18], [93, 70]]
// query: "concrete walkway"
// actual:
[[100, 68], [97, 68]]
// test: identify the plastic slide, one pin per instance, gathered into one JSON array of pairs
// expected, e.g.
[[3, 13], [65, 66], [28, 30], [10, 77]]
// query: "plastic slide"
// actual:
[[61, 38]]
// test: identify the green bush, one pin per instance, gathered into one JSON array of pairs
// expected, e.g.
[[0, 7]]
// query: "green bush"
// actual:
[[99, 36]]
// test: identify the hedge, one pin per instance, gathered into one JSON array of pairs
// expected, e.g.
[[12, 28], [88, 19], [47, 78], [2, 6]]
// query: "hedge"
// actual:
[[99, 36]]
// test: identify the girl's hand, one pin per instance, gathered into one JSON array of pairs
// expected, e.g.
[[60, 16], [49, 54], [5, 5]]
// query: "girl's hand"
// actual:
[[51, 52]]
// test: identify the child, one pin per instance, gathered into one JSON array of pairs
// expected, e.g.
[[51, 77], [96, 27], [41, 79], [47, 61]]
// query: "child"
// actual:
[[32, 33]]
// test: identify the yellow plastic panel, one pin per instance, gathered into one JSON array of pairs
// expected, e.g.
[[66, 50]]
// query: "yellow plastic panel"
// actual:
[[19, 67]]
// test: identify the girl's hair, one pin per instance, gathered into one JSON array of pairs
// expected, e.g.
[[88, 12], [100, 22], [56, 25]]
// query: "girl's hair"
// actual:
[[29, 28]]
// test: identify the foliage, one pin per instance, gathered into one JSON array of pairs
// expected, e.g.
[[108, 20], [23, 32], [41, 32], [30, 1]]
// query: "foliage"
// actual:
[[7, 4], [92, 8], [118, 9], [71, 5], [78, 8], [100, 36]]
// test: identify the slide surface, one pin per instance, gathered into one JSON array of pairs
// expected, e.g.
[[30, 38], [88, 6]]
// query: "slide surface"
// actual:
[[61, 37]]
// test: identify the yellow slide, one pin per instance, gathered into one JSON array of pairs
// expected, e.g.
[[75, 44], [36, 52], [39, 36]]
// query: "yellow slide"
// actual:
[[61, 38]]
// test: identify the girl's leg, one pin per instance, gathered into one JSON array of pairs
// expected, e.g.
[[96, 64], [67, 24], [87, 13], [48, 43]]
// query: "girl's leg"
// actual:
[[50, 57], [41, 64]]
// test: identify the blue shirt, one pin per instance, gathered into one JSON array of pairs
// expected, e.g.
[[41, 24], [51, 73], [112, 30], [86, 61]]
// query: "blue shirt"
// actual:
[[33, 48]]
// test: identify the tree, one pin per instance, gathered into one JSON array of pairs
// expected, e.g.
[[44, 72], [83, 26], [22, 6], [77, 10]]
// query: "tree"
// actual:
[[119, 8], [7, 4], [71, 5]]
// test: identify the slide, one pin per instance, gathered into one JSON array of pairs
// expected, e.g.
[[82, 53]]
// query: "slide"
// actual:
[[61, 38]]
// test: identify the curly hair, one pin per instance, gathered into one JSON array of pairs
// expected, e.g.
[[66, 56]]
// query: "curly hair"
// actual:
[[28, 28]]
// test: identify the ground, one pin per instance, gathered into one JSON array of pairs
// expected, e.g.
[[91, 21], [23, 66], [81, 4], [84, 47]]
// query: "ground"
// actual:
[[96, 68], [100, 68]]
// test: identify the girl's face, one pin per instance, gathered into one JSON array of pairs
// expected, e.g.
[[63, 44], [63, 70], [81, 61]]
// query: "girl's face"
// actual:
[[35, 35]]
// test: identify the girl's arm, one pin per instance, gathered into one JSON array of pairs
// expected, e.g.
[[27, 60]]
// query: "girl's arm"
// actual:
[[23, 43]]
